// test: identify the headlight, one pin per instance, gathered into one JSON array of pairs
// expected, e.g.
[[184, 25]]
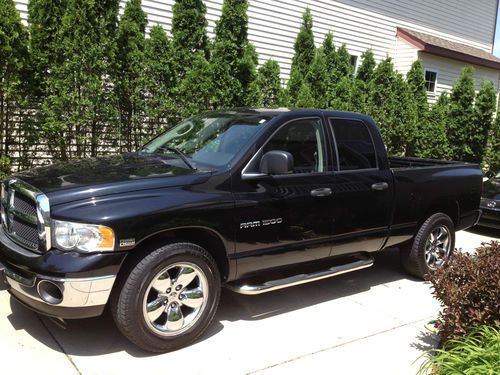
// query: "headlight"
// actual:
[[84, 237]]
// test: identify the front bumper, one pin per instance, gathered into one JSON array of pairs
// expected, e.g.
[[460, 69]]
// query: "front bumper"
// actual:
[[69, 298], [60, 284]]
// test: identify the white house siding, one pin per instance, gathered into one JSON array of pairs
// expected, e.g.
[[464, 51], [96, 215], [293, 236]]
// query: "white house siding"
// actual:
[[448, 71], [361, 24], [22, 6], [404, 55]]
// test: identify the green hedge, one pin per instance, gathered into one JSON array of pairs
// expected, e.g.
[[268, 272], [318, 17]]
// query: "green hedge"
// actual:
[[84, 82]]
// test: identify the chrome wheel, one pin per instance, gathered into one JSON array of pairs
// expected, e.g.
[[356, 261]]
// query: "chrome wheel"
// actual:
[[175, 299], [437, 247]]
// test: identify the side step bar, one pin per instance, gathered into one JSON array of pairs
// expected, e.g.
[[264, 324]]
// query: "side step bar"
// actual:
[[363, 261]]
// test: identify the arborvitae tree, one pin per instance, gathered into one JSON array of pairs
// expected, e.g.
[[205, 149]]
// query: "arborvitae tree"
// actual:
[[342, 96], [330, 53], [129, 74], [462, 116], [232, 72], [404, 117], [45, 21], [359, 85], [304, 44], [416, 84], [365, 70], [293, 87], [189, 25], [381, 93], [317, 78], [305, 98], [106, 125], [269, 84], [331, 63], [108, 11], [160, 106], [432, 141], [189, 34], [389, 103], [196, 86], [493, 151], [484, 109], [343, 67], [14, 63], [189, 46], [248, 76], [358, 96], [304, 54], [79, 103]]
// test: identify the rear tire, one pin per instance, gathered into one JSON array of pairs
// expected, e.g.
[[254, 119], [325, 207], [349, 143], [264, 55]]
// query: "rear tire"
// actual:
[[431, 247], [168, 299]]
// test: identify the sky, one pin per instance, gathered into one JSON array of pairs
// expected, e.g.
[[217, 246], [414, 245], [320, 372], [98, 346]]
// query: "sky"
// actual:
[[496, 43]]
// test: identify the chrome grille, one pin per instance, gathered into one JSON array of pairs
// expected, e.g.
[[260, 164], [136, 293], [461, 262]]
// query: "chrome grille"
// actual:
[[25, 215], [27, 234], [24, 205]]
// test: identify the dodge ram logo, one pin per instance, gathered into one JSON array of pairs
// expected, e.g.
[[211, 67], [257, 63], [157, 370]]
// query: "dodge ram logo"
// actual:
[[492, 204], [259, 223]]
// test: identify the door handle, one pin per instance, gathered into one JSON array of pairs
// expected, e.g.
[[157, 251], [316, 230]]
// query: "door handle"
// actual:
[[380, 186], [321, 192]]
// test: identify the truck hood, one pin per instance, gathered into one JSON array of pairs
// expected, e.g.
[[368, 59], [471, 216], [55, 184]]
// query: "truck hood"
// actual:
[[80, 179], [491, 189]]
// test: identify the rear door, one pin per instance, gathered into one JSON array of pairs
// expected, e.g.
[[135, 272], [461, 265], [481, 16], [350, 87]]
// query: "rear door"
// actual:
[[362, 188]]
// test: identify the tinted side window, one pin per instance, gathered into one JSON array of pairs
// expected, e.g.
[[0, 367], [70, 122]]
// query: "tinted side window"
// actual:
[[354, 144], [305, 141]]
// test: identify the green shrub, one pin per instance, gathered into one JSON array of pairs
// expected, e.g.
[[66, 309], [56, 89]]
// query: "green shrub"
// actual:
[[269, 83], [302, 59], [468, 288], [477, 353]]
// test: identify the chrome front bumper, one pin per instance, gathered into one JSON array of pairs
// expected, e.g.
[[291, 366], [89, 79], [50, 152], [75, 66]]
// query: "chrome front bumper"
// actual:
[[77, 292]]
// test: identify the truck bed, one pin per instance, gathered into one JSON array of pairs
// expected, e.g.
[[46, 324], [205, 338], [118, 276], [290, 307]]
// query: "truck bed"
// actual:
[[422, 186], [411, 162]]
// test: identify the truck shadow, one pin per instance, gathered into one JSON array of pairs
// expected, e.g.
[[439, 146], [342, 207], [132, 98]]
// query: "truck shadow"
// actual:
[[98, 336], [484, 231]]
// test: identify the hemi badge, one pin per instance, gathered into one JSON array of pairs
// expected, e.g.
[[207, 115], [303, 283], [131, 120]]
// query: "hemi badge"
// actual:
[[127, 242]]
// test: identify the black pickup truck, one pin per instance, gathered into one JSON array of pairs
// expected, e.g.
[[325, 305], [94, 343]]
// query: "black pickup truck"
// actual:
[[255, 200]]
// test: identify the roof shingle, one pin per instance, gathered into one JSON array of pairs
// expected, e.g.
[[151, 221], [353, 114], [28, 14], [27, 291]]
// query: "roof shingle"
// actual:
[[447, 48]]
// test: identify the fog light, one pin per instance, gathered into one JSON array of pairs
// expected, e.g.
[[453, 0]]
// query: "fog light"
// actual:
[[50, 292]]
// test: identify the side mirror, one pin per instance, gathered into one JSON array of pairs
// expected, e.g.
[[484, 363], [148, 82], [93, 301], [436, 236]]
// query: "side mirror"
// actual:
[[276, 162]]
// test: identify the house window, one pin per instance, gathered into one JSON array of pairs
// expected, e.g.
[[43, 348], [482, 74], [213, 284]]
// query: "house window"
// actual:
[[430, 81], [354, 62]]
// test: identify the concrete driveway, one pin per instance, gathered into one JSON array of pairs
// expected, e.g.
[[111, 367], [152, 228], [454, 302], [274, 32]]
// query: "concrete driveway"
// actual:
[[370, 321]]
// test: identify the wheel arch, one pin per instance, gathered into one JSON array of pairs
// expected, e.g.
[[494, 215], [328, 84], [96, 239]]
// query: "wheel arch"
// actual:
[[205, 237], [450, 208]]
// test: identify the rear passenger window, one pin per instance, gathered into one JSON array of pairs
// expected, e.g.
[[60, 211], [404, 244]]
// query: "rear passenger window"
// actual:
[[354, 145]]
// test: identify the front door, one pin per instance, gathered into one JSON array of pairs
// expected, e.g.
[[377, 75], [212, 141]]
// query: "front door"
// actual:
[[286, 219]]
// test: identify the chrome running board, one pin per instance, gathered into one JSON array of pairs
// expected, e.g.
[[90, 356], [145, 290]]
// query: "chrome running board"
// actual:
[[243, 287]]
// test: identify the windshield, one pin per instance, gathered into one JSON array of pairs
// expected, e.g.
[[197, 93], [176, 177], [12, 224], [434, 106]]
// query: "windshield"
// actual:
[[212, 139]]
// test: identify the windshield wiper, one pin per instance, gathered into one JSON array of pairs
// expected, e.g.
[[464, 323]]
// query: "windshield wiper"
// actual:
[[181, 155]]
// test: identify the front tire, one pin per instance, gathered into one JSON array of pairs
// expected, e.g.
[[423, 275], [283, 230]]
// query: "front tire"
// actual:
[[431, 247], [168, 299]]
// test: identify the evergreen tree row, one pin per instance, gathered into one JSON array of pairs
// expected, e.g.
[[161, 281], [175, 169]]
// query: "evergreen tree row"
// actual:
[[83, 81], [458, 126]]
